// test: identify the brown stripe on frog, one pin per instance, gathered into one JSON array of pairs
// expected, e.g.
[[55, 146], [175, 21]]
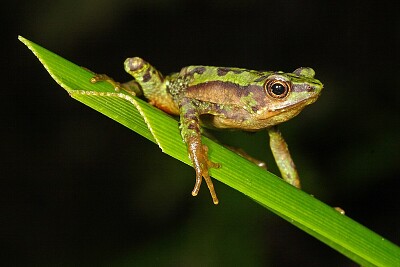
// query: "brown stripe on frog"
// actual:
[[147, 76], [223, 71], [302, 87], [151, 73], [228, 93]]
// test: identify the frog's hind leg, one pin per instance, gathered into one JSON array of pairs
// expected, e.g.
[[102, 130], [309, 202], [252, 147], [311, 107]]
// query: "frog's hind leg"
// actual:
[[198, 152]]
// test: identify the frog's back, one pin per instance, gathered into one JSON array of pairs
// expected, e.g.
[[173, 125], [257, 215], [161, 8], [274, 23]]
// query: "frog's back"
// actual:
[[204, 74]]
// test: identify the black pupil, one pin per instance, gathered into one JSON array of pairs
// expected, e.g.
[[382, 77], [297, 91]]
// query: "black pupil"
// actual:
[[278, 89]]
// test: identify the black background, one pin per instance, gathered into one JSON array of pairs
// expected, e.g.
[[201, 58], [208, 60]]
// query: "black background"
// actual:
[[78, 189]]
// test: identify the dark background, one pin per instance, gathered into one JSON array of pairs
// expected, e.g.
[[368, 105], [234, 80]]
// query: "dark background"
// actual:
[[78, 189]]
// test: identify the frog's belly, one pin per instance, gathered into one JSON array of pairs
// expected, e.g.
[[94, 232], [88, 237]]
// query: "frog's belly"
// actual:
[[248, 122], [235, 123]]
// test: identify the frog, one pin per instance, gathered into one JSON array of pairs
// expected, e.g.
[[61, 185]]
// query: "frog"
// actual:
[[227, 98]]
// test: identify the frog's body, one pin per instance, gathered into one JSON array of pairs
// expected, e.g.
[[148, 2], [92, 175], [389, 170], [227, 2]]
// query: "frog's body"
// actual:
[[227, 98], [236, 98]]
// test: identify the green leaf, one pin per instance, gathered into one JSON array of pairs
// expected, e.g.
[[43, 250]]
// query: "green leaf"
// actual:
[[297, 207]]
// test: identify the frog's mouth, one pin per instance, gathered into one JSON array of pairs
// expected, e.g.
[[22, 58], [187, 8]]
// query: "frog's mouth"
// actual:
[[277, 116], [307, 101], [296, 106]]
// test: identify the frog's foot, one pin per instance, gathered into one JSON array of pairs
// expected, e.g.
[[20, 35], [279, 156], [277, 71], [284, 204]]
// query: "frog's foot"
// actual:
[[244, 154], [238, 151], [340, 210], [201, 164], [106, 78], [117, 86]]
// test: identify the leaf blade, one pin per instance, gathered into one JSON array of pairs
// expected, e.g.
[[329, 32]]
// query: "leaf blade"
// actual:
[[314, 217]]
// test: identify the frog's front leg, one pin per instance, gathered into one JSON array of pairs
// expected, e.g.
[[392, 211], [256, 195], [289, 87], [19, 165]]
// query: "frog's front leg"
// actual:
[[132, 87], [198, 152], [282, 157]]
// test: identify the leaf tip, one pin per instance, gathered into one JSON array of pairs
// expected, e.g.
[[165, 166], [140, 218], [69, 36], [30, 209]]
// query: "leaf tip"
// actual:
[[22, 39], [25, 42]]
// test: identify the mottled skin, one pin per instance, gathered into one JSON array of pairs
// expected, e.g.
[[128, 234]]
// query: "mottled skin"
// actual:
[[225, 98]]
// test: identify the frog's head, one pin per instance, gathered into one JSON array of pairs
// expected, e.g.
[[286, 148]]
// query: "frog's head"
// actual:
[[289, 93]]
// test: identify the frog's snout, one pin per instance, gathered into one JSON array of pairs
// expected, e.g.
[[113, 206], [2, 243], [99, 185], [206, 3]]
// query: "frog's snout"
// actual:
[[318, 86]]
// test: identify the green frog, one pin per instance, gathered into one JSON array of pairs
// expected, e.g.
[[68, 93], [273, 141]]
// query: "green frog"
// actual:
[[224, 98]]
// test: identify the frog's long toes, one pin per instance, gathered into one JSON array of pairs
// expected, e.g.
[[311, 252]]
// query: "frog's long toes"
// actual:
[[262, 165], [340, 210], [214, 196], [94, 79], [211, 188], [210, 164], [99, 77], [196, 188], [214, 165], [106, 78], [216, 201]]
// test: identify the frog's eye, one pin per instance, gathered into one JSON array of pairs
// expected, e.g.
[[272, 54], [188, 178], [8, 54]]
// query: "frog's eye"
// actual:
[[277, 88]]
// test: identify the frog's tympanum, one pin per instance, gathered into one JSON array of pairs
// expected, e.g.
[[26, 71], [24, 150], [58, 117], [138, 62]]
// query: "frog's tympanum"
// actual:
[[225, 98]]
